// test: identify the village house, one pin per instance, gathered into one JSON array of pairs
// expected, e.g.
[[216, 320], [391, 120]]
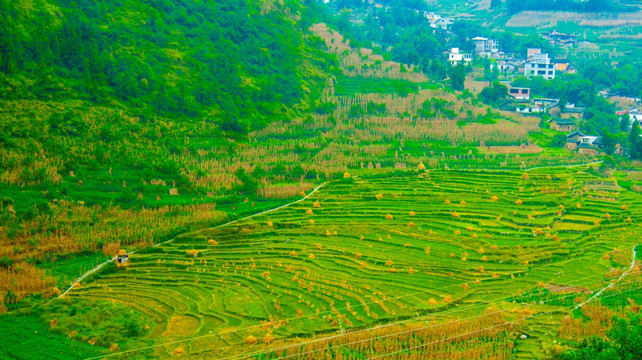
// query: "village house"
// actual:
[[485, 47], [538, 64], [456, 57], [519, 93], [573, 139], [584, 144], [560, 39], [565, 125], [572, 111]]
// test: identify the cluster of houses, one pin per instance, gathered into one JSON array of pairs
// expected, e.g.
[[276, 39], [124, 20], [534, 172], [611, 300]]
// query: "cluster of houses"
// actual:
[[536, 63]]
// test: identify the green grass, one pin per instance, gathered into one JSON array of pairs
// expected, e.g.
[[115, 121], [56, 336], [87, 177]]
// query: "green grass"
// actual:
[[259, 273], [27, 338]]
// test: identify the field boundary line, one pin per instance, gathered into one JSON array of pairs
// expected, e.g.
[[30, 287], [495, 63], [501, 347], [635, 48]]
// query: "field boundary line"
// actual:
[[101, 265]]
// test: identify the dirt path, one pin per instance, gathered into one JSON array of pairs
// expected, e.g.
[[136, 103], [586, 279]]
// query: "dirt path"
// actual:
[[630, 269]]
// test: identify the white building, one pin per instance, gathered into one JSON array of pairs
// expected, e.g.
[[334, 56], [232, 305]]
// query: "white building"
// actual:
[[456, 57], [539, 65], [485, 47]]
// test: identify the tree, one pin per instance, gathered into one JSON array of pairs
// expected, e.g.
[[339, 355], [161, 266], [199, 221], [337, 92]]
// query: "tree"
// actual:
[[635, 143], [494, 94], [458, 77], [494, 4], [625, 123]]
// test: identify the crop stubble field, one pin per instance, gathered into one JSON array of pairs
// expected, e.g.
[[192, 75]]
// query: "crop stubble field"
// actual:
[[375, 248]]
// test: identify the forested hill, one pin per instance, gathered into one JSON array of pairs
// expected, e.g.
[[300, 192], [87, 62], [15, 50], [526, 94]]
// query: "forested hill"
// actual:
[[228, 61]]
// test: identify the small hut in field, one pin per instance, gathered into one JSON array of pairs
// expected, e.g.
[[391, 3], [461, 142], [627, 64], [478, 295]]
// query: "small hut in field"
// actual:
[[122, 256]]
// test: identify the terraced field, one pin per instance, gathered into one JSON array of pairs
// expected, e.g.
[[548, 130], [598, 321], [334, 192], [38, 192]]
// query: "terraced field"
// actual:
[[374, 248]]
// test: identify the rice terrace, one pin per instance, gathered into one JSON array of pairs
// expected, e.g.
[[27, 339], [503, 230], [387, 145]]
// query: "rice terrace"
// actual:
[[476, 255]]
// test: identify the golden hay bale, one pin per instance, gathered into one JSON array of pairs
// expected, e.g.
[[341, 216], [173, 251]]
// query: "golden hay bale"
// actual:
[[495, 276], [250, 340], [158, 197], [412, 224], [412, 213], [212, 242], [393, 270], [432, 302], [293, 253], [311, 221], [389, 262], [361, 237], [455, 214], [173, 191], [530, 217], [411, 270], [539, 231], [481, 251], [53, 323], [447, 202], [462, 203], [316, 204], [179, 351], [596, 223], [379, 196], [114, 348], [389, 217], [379, 239], [623, 207], [388, 237], [270, 223], [525, 262], [629, 220], [480, 269], [579, 206], [470, 228], [452, 255], [363, 265], [268, 338], [541, 284], [465, 286], [192, 252], [318, 246], [494, 198], [519, 202], [92, 341], [407, 245], [464, 258], [457, 232], [427, 249], [484, 258], [311, 257], [525, 176], [421, 166], [309, 212], [358, 255], [346, 175], [607, 216], [334, 233], [606, 257], [447, 299], [548, 177]]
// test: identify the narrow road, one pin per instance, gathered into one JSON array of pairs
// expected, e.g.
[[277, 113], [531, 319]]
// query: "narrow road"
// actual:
[[100, 266], [630, 269]]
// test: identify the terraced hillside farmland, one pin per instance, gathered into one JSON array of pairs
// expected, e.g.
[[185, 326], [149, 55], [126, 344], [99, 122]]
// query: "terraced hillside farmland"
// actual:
[[376, 247]]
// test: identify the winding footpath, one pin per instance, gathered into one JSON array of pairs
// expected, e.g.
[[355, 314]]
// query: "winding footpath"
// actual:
[[630, 269], [100, 266]]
